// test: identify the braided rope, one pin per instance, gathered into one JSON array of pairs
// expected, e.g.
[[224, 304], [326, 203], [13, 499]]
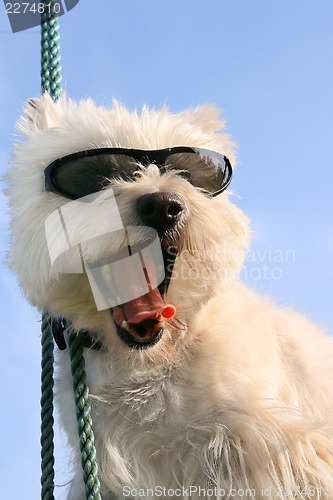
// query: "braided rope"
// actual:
[[47, 421], [50, 51], [84, 421], [49, 61], [51, 83]]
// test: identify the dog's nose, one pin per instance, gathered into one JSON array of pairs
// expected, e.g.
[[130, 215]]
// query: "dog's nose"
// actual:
[[160, 210]]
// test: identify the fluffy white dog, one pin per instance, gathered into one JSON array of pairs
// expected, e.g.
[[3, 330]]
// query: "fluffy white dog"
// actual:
[[201, 388]]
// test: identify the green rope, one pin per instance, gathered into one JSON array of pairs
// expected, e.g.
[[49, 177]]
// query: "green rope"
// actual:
[[46, 440], [84, 421], [50, 51], [51, 83]]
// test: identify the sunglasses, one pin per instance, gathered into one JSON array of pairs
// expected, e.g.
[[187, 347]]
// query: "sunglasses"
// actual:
[[87, 172]]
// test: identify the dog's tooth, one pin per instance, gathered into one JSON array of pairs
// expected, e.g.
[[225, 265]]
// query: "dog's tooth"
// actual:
[[125, 325], [160, 324]]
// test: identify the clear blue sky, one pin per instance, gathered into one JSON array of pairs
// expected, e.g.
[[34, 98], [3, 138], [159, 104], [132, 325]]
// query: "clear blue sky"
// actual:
[[269, 65]]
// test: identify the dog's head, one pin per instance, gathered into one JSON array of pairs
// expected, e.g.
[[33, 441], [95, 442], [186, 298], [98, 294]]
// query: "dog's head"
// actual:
[[120, 220]]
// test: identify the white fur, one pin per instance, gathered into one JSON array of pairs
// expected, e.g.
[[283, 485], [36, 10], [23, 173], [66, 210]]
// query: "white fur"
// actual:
[[238, 394]]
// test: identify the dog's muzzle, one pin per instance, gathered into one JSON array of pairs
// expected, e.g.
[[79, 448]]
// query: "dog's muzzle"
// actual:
[[140, 323]]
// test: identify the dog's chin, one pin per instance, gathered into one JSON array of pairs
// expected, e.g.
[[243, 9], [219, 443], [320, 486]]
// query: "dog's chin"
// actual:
[[142, 335]]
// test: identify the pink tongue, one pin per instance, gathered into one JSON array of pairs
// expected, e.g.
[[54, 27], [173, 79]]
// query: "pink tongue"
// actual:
[[149, 306]]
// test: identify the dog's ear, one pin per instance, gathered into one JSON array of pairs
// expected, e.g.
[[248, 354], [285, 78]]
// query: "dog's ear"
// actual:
[[207, 117], [39, 113]]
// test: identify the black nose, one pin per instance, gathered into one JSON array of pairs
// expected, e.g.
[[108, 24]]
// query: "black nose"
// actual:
[[160, 210]]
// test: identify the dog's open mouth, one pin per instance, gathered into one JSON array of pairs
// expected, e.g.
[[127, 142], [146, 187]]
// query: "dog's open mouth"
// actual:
[[140, 322]]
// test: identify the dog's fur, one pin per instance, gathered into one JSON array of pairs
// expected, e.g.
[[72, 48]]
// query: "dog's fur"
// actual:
[[237, 394]]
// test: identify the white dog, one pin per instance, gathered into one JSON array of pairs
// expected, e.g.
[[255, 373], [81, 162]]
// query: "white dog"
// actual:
[[201, 387]]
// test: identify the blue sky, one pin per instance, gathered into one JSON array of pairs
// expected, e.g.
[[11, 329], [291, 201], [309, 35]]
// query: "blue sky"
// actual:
[[268, 64]]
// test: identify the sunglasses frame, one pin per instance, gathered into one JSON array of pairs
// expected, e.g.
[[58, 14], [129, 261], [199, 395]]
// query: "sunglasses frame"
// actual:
[[157, 156]]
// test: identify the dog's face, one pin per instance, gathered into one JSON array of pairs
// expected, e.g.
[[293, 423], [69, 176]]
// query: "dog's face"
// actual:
[[198, 239]]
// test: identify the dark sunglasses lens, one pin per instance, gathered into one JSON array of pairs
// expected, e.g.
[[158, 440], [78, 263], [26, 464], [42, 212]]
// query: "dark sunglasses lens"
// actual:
[[203, 169], [87, 175]]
